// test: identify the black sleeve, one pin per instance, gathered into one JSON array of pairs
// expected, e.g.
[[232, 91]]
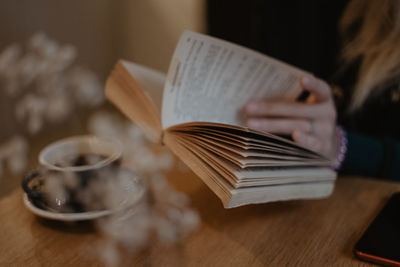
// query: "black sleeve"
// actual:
[[374, 157]]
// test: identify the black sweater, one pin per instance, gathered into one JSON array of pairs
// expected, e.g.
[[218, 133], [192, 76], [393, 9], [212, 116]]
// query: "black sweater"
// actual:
[[305, 34]]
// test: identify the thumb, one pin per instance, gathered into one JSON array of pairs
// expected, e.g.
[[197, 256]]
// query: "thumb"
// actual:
[[317, 87]]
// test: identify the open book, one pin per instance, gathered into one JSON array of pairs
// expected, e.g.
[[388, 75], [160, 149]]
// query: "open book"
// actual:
[[198, 117]]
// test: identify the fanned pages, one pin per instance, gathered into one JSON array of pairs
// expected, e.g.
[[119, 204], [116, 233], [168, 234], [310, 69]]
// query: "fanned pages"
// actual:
[[208, 82], [321, 185]]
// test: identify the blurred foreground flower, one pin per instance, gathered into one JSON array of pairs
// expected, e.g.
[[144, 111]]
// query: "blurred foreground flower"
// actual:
[[164, 215], [137, 153], [46, 87], [14, 153], [46, 83]]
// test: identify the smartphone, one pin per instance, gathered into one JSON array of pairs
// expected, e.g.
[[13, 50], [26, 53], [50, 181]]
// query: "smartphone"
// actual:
[[381, 241]]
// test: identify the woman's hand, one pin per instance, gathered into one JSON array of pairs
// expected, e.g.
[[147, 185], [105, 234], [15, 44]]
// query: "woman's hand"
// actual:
[[311, 124]]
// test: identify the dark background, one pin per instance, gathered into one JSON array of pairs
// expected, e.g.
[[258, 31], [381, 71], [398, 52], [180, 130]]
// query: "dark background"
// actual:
[[302, 33]]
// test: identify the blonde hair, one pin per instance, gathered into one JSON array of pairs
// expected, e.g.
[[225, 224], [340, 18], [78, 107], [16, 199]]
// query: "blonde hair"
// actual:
[[374, 26]]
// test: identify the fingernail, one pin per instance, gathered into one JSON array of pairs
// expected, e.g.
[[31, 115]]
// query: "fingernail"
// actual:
[[307, 81]]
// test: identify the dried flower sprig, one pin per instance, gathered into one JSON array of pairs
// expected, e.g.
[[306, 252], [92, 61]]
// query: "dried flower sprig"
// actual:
[[165, 215], [137, 153], [46, 85], [14, 153], [44, 81]]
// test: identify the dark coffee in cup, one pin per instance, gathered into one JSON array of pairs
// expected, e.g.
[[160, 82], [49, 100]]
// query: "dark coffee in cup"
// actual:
[[72, 174]]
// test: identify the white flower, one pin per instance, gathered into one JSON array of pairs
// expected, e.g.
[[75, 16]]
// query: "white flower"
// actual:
[[17, 154], [28, 69], [31, 108], [105, 124], [58, 107], [86, 87], [9, 69], [63, 58], [44, 46], [9, 57], [108, 253]]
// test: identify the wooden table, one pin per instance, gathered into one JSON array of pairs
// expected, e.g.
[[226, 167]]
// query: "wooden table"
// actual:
[[294, 233]]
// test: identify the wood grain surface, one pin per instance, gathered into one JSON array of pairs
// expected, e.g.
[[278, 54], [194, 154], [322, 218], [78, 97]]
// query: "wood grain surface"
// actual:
[[293, 233]]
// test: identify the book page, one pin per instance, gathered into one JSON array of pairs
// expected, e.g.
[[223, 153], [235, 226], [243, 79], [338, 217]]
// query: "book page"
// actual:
[[152, 81], [136, 91], [262, 159], [263, 140], [210, 80], [258, 176]]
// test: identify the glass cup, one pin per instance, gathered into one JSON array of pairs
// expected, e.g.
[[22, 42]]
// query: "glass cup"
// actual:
[[71, 173]]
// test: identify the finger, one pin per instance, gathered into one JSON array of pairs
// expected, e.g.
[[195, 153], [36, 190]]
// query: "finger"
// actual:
[[307, 140], [282, 109], [318, 87], [279, 126]]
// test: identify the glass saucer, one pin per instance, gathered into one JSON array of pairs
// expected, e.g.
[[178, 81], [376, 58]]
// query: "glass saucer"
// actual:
[[133, 190]]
